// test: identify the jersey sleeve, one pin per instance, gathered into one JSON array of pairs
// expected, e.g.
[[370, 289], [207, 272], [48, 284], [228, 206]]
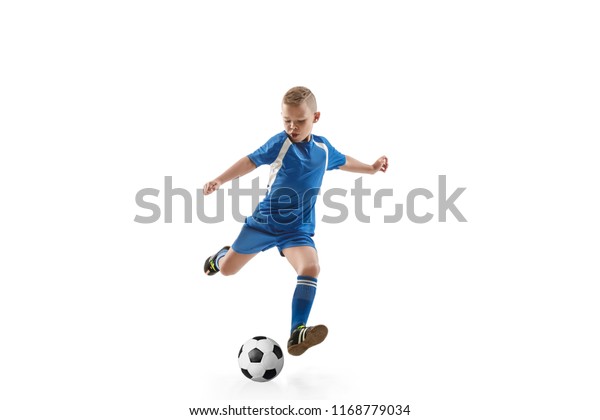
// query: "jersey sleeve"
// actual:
[[336, 159], [267, 153]]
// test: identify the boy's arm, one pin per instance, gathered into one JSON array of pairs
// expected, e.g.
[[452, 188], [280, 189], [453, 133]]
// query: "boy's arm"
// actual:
[[238, 169], [353, 165]]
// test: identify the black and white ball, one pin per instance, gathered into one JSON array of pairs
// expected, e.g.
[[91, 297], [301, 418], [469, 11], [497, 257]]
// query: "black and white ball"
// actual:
[[260, 359]]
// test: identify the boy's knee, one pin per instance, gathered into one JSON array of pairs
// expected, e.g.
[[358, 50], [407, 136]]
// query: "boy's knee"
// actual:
[[311, 270]]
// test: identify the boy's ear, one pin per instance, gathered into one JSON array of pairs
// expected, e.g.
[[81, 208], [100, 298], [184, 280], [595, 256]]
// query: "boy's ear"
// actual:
[[317, 116]]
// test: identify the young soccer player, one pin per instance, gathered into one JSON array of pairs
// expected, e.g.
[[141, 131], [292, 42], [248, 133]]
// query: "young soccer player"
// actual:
[[285, 218]]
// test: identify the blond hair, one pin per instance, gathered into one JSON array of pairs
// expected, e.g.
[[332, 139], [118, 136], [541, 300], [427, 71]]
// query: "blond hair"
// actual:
[[299, 94]]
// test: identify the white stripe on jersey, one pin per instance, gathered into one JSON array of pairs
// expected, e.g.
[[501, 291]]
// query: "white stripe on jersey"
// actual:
[[322, 146], [276, 165]]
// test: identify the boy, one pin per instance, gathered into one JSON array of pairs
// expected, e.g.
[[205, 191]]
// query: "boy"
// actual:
[[286, 216]]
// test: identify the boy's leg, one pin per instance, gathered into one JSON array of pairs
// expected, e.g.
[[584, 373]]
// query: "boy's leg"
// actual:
[[233, 261], [305, 261], [226, 261]]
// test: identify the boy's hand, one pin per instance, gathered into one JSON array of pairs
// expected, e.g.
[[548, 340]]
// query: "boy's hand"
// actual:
[[211, 186], [380, 164]]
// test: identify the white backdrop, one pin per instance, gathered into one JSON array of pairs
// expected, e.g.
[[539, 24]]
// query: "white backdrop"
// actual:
[[497, 317]]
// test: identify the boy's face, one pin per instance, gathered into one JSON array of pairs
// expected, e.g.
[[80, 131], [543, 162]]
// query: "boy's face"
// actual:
[[298, 120]]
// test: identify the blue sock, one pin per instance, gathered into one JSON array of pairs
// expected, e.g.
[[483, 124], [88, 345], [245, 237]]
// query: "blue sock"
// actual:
[[306, 288], [220, 255]]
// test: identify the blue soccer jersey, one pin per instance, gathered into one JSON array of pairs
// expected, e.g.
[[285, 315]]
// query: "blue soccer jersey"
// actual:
[[295, 179]]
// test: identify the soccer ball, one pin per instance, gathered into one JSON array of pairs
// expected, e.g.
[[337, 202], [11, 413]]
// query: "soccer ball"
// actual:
[[260, 359]]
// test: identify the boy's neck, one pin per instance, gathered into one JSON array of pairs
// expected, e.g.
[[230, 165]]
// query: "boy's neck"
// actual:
[[306, 140]]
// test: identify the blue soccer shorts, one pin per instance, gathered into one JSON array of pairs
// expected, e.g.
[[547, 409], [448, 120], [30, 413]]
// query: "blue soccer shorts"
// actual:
[[253, 240]]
